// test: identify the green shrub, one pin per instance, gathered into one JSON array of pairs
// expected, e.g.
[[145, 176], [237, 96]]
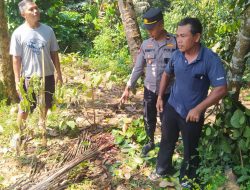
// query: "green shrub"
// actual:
[[110, 52]]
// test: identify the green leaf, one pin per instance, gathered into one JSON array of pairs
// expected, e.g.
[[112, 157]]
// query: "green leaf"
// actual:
[[247, 112], [53, 108], [242, 145], [62, 125], [248, 143], [84, 87], [129, 133], [85, 143], [89, 94], [208, 131], [247, 132], [71, 124], [228, 117], [136, 122], [1, 178], [119, 139], [243, 178], [138, 160], [133, 164], [141, 137], [235, 119], [228, 103], [236, 134], [225, 146], [97, 80], [242, 120], [218, 121]]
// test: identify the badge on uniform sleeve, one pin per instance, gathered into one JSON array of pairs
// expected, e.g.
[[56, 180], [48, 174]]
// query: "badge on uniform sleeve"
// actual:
[[150, 45], [170, 45]]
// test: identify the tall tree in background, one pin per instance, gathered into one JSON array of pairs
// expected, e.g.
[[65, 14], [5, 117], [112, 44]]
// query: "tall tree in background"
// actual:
[[242, 48], [131, 27], [6, 70]]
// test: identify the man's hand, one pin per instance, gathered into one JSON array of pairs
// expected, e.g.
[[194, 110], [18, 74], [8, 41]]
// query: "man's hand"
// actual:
[[59, 79], [125, 96], [193, 115], [159, 104]]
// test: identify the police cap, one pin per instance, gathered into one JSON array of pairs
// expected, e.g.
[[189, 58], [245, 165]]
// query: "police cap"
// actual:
[[151, 17]]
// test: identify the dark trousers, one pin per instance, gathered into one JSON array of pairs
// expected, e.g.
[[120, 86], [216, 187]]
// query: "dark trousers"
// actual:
[[172, 124], [150, 112], [49, 91]]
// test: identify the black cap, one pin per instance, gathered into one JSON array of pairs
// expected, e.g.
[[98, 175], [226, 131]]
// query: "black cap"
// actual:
[[151, 17]]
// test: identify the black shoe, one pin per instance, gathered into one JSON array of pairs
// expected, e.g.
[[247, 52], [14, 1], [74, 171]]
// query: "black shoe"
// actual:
[[168, 172], [147, 148]]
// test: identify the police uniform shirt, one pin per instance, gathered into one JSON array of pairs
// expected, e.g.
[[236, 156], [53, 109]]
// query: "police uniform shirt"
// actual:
[[192, 80], [154, 56]]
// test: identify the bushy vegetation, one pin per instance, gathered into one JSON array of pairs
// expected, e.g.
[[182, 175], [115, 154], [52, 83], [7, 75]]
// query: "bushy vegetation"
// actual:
[[110, 50], [219, 33]]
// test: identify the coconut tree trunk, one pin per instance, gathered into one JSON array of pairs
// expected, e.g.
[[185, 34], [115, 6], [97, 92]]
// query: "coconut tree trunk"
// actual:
[[241, 49], [131, 27], [6, 70]]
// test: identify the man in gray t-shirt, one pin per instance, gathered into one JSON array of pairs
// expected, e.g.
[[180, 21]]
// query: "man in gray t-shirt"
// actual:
[[28, 42]]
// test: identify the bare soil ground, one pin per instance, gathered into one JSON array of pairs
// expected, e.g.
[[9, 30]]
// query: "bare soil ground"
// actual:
[[108, 115]]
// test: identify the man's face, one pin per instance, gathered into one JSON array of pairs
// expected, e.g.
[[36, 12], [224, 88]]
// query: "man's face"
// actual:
[[31, 13], [156, 31], [185, 39]]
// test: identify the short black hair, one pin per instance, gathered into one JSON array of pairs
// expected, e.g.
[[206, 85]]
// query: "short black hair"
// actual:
[[196, 26]]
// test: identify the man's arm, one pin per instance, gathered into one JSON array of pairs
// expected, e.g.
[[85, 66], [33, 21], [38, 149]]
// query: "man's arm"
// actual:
[[214, 96], [136, 73], [56, 62], [16, 60], [165, 80]]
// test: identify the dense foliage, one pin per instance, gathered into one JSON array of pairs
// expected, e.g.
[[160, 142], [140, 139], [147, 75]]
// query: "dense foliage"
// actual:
[[72, 23], [220, 26]]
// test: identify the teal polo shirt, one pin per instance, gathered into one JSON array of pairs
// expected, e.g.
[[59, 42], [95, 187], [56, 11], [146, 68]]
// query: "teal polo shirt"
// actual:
[[192, 80]]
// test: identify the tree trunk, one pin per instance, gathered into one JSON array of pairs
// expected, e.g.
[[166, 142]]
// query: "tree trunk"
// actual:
[[6, 70], [242, 47], [131, 27]]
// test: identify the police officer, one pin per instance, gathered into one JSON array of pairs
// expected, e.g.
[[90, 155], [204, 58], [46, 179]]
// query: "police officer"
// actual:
[[153, 55], [196, 68]]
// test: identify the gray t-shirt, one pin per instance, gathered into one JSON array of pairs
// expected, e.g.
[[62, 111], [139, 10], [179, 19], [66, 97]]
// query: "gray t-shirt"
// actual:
[[28, 44]]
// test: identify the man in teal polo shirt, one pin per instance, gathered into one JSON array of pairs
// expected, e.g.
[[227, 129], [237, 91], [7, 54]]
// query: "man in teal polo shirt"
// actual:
[[195, 68]]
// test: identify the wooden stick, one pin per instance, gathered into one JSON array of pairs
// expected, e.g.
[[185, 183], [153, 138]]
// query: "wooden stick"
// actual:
[[42, 111], [44, 183]]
